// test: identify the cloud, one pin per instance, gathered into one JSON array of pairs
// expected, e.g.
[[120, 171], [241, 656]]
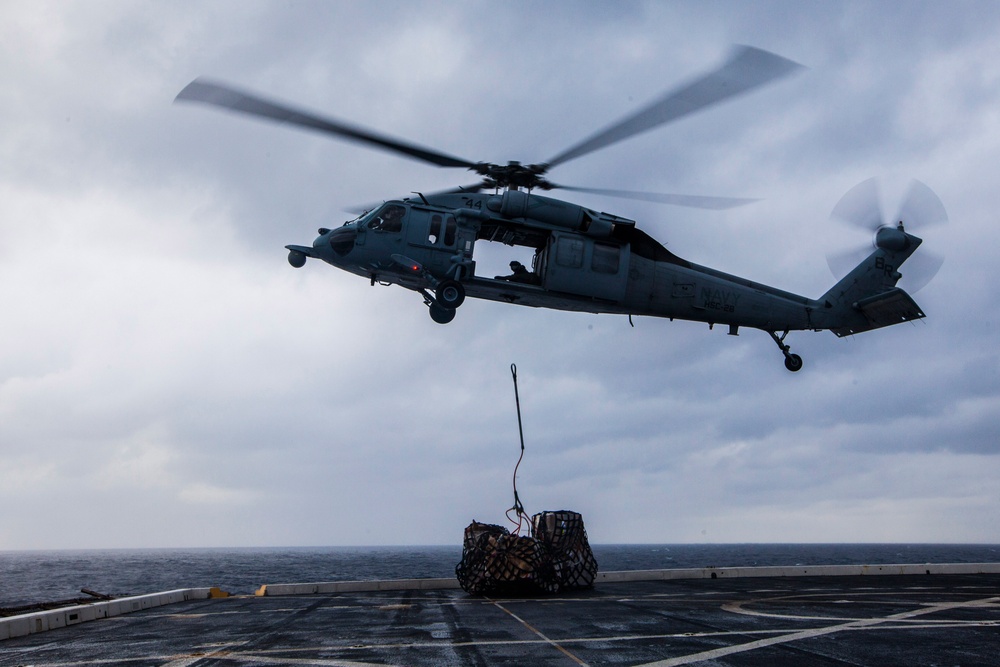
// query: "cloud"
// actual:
[[163, 366]]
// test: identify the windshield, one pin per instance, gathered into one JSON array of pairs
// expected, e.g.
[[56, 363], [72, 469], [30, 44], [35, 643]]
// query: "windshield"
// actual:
[[389, 218], [363, 218]]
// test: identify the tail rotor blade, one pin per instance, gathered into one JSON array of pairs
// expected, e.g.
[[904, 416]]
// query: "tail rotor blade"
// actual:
[[861, 206], [842, 262], [921, 208], [919, 269]]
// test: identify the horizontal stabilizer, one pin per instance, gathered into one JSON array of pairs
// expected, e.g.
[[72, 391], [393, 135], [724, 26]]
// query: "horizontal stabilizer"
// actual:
[[305, 250], [883, 310]]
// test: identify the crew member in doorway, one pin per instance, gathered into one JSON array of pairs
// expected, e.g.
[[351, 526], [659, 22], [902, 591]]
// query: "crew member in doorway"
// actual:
[[519, 274]]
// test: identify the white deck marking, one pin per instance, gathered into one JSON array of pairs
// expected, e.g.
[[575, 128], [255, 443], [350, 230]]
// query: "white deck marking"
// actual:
[[816, 632]]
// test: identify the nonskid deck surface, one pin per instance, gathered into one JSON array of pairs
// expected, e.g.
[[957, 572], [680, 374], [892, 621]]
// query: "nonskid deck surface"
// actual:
[[843, 620]]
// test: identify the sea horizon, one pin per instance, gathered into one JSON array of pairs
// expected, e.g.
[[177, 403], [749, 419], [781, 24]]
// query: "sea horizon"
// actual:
[[458, 545], [37, 575]]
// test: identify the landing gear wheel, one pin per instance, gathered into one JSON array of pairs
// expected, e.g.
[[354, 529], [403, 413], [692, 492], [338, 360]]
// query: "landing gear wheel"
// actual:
[[440, 314], [793, 362], [450, 294]]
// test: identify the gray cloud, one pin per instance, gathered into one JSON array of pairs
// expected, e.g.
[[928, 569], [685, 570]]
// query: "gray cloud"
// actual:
[[163, 367]]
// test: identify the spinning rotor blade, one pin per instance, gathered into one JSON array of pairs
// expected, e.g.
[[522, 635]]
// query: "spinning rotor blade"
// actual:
[[689, 201], [746, 69], [463, 189], [841, 262], [921, 207], [919, 269], [861, 207], [458, 190], [206, 92]]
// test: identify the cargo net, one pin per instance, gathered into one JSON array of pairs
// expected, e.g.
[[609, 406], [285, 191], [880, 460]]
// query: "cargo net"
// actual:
[[556, 558]]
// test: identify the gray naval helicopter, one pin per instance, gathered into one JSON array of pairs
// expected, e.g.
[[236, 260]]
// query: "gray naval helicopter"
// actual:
[[589, 261]]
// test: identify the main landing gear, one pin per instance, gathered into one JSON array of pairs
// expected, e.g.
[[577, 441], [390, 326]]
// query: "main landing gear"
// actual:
[[440, 314], [448, 296], [793, 362], [449, 293]]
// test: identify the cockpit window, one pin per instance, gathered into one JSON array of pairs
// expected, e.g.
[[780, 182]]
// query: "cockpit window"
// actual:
[[388, 219], [342, 239]]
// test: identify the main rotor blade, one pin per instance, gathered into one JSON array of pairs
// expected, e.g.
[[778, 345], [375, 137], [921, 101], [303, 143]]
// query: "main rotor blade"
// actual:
[[689, 201], [746, 69], [457, 190], [216, 94]]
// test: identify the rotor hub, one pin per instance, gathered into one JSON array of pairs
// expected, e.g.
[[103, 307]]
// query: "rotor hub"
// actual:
[[514, 175]]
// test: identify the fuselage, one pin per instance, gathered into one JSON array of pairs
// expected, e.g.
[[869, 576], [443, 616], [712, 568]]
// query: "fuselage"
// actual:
[[583, 261]]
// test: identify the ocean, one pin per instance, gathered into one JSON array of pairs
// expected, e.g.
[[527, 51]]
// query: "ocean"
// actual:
[[28, 577]]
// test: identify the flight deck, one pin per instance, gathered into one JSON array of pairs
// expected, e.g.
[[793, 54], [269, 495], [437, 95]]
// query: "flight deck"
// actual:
[[832, 615]]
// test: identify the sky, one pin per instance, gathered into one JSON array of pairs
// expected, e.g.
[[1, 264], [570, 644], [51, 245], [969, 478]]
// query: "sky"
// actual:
[[168, 380]]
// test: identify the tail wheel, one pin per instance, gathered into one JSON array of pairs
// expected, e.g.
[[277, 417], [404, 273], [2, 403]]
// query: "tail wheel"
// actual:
[[450, 294], [793, 362]]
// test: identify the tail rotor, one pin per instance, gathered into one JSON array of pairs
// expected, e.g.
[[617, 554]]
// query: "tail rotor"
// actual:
[[861, 208]]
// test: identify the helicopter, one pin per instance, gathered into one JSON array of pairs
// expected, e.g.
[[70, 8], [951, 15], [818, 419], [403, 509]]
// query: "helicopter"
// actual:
[[586, 260]]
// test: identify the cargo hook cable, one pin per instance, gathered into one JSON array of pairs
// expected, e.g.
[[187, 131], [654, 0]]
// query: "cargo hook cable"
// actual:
[[518, 508]]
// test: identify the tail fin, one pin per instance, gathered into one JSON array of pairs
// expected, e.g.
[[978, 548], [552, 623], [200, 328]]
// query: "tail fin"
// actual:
[[867, 298]]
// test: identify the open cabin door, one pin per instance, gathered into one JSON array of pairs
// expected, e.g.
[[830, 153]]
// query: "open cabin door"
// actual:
[[577, 264]]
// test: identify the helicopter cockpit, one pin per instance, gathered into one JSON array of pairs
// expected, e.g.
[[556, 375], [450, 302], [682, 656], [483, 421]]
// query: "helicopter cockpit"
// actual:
[[389, 219], [385, 220]]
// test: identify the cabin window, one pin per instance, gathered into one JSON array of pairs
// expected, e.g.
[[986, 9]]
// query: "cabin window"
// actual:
[[606, 258], [434, 233], [569, 252], [449, 230], [389, 219]]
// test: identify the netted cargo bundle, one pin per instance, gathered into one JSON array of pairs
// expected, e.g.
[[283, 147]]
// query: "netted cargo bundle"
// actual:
[[558, 557], [564, 540], [493, 560]]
